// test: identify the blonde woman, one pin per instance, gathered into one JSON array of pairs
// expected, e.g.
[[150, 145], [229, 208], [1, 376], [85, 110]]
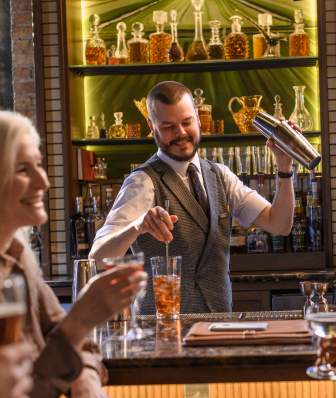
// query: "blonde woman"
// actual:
[[63, 359]]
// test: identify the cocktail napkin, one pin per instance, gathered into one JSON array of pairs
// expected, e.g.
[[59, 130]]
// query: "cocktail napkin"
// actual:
[[278, 332]]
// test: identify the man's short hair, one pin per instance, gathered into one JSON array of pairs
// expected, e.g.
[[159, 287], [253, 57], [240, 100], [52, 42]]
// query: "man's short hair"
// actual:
[[167, 92]]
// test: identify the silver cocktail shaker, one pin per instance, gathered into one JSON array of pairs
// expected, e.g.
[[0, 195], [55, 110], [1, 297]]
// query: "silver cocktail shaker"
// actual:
[[84, 270], [289, 140]]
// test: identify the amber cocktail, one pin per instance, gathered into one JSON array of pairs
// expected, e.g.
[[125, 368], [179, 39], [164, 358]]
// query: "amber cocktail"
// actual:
[[167, 284]]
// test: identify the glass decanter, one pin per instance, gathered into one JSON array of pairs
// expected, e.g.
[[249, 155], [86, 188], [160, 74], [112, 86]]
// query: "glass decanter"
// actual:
[[300, 115], [100, 169], [236, 42], [95, 49], [261, 48], [298, 40], [121, 52], [138, 46], [215, 46], [160, 41], [197, 50], [176, 53], [102, 125], [118, 129], [92, 131], [204, 111], [111, 58], [278, 108]]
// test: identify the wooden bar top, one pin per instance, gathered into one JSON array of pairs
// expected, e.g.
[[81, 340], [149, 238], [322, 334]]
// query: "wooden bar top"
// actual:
[[163, 359]]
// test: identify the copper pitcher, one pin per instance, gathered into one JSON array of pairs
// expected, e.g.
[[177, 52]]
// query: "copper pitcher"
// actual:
[[249, 107]]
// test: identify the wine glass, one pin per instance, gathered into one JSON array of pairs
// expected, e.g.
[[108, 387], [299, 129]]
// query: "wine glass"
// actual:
[[12, 309], [323, 324], [307, 289], [135, 332]]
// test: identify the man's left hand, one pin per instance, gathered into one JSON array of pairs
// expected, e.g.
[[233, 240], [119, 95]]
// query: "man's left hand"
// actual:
[[282, 160]]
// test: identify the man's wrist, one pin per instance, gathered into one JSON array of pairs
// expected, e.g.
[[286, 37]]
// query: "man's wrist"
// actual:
[[285, 174]]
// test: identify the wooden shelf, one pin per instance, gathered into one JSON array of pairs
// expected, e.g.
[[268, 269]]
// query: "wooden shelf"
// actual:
[[191, 67], [225, 138]]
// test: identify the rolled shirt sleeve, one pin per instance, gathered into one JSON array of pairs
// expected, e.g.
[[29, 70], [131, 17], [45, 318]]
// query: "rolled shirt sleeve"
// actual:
[[135, 198]]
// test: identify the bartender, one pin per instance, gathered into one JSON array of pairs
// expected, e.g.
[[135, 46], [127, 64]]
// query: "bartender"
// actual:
[[203, 196]]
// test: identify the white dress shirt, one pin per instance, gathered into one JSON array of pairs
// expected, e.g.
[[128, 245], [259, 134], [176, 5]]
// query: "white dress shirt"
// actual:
[[136, 197]]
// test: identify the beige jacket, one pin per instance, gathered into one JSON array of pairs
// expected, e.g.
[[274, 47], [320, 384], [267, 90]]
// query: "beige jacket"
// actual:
[[57, 363]]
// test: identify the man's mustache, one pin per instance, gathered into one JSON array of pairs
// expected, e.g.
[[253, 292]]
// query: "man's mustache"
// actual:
[[178, 140]]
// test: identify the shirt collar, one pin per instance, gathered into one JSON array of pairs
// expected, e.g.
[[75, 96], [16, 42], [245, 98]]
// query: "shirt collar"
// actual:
[[180, 167]]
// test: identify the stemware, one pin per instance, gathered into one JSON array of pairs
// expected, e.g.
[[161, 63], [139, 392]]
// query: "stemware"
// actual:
[[323, 324], [135, 332]]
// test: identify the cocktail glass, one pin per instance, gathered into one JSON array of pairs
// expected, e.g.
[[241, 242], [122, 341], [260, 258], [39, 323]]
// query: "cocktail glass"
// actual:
[[323, 324]]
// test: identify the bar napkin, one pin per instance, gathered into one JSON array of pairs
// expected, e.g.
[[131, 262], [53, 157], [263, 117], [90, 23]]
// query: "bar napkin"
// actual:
[[278, 332]]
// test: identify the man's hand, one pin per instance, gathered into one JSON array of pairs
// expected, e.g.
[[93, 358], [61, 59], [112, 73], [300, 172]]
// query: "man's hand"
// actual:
[[159, 223], [15, 370], [283, 161]]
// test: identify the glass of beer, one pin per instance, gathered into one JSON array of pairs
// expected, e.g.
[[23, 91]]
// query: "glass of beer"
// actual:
[[167, 284], [12, 309]]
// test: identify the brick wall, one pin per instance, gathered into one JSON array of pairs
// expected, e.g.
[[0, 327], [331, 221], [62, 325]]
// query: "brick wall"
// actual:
[[23, 70], [6, 100]]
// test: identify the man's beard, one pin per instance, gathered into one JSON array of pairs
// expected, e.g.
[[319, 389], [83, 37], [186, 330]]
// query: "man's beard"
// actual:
[[165, 148]]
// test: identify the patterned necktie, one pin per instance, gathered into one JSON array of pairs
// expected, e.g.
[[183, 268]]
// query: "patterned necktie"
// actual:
[[197, 188]]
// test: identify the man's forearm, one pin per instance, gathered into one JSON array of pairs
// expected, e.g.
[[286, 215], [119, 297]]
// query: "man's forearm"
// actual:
[[278, 218]]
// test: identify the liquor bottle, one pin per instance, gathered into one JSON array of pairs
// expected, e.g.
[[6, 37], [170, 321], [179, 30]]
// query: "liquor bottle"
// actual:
[[278, 108], [118, 129], [95, 49], [197, 49], [278, 242], [314, 220], [237, 238], [298, 40], [236, 42], [204, 111], [257, 239], [102, 125], [215, 46], [261, 46], [299, 229], [108, 201], [159, 41], [92, 131], [78, 238], [35, 243], [138, 46], [176, 53], [300, 115], [110, 54], [93, 220], [121, 53]]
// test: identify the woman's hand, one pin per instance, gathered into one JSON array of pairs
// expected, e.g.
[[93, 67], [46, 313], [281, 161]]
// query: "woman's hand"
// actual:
[[87, 385], [15, 370]]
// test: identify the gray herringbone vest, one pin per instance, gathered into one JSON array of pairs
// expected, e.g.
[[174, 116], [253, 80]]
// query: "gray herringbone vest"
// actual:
[[203, 243]]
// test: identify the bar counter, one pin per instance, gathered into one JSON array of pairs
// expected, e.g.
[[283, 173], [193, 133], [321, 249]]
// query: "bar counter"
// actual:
[[163, 359]]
